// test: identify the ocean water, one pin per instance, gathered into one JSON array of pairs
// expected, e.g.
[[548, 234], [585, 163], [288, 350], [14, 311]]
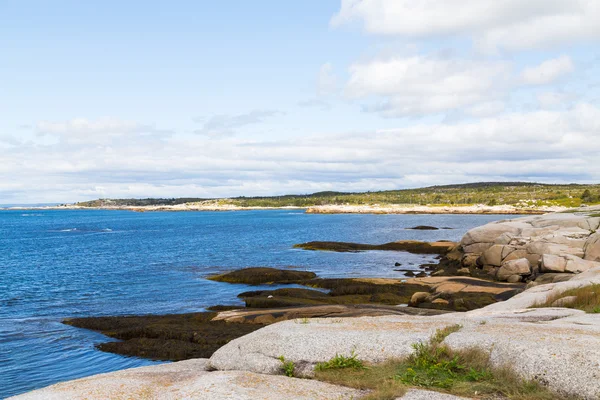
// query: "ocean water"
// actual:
[[60, 264]]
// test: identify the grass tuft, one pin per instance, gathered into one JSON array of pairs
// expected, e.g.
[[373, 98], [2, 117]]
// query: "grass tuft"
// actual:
[[341, 362], [587, 299], [434, 366], [288, 367]]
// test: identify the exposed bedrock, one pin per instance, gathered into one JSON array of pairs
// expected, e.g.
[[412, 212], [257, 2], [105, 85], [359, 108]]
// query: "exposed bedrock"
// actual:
[[556, 347], [523, 248]]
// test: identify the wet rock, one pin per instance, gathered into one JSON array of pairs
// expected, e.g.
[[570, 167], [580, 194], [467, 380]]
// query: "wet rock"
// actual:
[[263, 275], [553, 278], [515, 267], [302, 315], [411, 246], [397, 264], [418, 297], [424, 228], [166, 337]]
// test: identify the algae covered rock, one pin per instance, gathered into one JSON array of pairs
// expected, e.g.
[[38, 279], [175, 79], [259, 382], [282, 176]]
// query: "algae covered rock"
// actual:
[[411, 246], [262, 275]]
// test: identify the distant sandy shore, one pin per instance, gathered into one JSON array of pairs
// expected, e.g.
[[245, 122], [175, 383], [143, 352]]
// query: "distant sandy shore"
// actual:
[[327, 209], [417, 209]]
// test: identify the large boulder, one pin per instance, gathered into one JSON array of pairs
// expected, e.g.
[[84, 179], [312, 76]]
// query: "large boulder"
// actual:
[[493, 255], [592, 247], [555, 243], [553, 263], [488, 233], [576, 265], [520, 267]]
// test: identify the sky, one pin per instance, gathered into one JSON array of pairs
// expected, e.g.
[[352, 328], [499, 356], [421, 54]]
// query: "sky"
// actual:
[[114, 99]]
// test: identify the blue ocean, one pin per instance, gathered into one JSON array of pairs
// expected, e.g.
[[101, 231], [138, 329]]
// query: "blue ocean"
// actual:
[[59, 264]]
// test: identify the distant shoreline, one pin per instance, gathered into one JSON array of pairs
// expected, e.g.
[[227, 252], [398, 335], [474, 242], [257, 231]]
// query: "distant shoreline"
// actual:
[[325, 209]]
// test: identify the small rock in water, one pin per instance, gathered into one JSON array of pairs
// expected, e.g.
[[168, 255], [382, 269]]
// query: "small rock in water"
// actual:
[[397, 264], [424, 228]]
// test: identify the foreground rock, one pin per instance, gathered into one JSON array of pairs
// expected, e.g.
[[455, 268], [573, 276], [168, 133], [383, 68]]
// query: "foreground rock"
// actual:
[[524, 248], [411, 246], [190, 380], [558, 347]]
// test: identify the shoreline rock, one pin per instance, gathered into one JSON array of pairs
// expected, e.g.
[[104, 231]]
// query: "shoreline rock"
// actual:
[[556, 346], [411, 246], [529, 246]]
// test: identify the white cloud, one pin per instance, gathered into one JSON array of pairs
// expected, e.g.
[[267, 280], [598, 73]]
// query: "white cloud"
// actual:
[[492, 24], [326, 80], [553, 99], [486, 109], [227, 125], [548, 71], [554, 146], [84, 127], [418, 85]]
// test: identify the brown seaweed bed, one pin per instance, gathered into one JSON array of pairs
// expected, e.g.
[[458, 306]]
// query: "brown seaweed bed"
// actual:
[[198, 335]]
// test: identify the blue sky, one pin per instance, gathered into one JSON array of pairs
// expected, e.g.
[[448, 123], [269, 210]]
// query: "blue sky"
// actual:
[[203, 98]]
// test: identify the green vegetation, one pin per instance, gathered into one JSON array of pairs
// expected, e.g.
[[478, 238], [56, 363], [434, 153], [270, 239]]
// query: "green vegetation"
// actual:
[[437, 367], [585, 298], [288, 367], [341, 362], [511, 193]]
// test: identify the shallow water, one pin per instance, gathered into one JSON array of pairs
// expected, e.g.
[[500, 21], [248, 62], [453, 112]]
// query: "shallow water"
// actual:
[[59, 264]]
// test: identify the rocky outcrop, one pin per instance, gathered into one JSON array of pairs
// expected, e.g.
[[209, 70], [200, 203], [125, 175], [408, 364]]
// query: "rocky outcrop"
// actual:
[[546, 344], [550, 243]]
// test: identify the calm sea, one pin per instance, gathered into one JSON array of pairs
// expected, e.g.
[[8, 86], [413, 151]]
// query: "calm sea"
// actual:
[[59, 264]]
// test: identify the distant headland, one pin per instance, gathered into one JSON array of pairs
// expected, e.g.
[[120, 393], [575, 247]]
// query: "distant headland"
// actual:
[[469, 198]]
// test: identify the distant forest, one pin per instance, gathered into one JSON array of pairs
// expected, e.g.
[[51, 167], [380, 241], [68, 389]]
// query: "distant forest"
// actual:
[[490, 193]]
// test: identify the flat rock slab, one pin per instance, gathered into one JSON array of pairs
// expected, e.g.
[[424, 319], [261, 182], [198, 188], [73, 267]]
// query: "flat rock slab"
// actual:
[[190, 380], [373, 339], [556, 346], [327, 311], [457, 284]]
